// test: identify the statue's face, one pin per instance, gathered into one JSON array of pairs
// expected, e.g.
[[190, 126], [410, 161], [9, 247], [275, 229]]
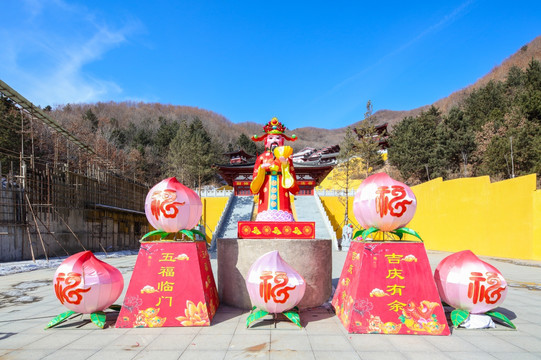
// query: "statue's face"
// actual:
[[277, 140]]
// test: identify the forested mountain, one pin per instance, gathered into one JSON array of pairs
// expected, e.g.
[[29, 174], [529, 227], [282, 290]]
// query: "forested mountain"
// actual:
[[146, 141], [492, 127], [494, 130]]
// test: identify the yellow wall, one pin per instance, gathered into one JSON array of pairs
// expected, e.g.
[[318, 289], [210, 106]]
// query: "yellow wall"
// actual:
[[336, 179], [491, 219], [536, 226], [336, 209], [501, 219], [212, 210]]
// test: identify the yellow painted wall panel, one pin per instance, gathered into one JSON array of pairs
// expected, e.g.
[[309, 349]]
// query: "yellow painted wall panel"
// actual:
[[212, 210], [336, 209], [501, 219], [448, 213], [510, 212], [536, 228]]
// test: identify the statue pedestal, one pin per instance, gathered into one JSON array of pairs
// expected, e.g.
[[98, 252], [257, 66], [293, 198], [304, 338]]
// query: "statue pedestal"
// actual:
[[312, 258], [388, 288]]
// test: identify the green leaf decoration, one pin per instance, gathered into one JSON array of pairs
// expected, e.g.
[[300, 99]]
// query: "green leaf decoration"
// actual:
[[155, 232], [188, 233], [408, 231], [255, 315], [458, 316], [399, 234], [367, 232], [98, 318], [293, 315], [115, 307], [402, 319], [357, 234], [501, 317], [60, 318], [198, 233]]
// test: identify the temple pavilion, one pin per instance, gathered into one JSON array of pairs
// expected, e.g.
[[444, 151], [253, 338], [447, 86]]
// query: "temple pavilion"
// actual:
[[311, 167]]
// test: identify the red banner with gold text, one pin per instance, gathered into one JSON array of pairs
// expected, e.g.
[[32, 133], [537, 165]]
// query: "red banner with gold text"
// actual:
[[172, 285], [388, 288]]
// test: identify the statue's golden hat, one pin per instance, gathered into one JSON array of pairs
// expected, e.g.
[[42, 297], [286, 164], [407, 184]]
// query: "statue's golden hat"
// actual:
[[274, 127]]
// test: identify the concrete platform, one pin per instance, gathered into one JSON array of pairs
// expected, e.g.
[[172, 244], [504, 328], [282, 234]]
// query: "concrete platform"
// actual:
[[323, 337], [312, 258]]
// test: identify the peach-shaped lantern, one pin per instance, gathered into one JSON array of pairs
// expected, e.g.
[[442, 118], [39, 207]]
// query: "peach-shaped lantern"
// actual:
[[171, 206], [468, 283], [85, 284], [273, 285], [384, 203]]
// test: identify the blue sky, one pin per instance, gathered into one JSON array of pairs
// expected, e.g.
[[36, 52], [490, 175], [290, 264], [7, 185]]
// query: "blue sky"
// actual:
[[310, 63]]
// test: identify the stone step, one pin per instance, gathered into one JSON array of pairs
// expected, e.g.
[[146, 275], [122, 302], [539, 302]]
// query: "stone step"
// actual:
[[242, 206], [240, 210], [307, 210]]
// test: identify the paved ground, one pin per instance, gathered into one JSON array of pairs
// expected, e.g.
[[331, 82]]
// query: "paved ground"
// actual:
[[27, 303]]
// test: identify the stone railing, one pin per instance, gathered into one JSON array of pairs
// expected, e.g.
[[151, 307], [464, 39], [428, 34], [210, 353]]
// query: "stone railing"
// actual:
[[326, 220], [334, 192], [216, 193], [220, 223]]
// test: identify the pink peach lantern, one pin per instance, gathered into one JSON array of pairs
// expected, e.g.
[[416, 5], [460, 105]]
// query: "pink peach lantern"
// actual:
[[466, 282], [273, 285], [171, 206], [384, 203], [85, 284]]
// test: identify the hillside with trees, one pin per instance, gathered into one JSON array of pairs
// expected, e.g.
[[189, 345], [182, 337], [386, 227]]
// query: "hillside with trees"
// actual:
[[147, 141], [495, 130], [468, 133]]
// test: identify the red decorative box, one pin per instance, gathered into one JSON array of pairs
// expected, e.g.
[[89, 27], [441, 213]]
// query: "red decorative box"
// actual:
[[276, 230], [172, 285], [388, 288]]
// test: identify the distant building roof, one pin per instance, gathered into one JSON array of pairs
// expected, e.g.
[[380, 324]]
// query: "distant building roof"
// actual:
[[239, 157], [240, 152], [381, 135], [314, 171], [303, 152], [326, 155]]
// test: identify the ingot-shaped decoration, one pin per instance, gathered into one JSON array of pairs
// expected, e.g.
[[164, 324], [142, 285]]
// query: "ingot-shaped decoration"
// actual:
[[85, 284], [384, 203], [283, 151], [273, 285], [171, 206], [468, 283]]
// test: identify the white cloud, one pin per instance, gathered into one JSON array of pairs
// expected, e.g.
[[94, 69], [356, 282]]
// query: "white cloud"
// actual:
[[48, 66], [71, 83]]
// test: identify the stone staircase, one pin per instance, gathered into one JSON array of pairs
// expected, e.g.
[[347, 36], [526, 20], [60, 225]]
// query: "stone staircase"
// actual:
[[240, 210], [308, 209]]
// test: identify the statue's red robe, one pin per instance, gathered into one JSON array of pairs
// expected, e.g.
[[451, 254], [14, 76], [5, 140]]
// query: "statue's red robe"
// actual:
[[274, 184]]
